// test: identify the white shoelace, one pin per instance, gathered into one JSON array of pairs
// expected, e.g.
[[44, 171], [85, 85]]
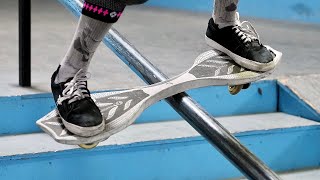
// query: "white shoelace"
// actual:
[[75, 90], [246, 32]]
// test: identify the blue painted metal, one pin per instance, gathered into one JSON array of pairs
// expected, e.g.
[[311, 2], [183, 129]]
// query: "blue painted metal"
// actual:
[[218, 102], [290, 103], [186, 158], [288, 10], [19, 113]]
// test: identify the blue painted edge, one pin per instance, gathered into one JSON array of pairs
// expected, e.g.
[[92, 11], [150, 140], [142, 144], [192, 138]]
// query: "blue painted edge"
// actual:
[[19, 113], [287, 10], [281, 149], [290, 103], [111, 148]]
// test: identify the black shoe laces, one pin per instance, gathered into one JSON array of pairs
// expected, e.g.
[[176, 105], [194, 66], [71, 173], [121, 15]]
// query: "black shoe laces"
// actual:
[[75, 90]]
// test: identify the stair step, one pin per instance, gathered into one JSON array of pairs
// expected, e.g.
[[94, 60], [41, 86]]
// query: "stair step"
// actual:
[[311, 174], [299, 95], [308, 174], [162, 148], [29, 143], [306, 88]]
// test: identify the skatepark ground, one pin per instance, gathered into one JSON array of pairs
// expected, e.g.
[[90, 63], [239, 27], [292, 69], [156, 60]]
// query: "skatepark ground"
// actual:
[[171, 39]]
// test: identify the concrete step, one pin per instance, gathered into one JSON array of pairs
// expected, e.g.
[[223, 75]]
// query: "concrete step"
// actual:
[[308, 174], [299, 95], [311, 174], [164, 150], [261, 97]]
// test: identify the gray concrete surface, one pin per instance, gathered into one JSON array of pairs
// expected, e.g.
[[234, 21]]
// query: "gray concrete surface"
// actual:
[[306, 88], [29, 143], [171, 39], [312, 174], [307, 174]]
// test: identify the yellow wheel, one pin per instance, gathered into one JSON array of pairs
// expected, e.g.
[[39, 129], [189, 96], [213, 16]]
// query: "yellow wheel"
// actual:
[[235, 89], [88, 146]]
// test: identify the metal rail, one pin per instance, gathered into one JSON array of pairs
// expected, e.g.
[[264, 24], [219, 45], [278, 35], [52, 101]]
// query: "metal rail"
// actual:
[[195, 115], [25, 43]]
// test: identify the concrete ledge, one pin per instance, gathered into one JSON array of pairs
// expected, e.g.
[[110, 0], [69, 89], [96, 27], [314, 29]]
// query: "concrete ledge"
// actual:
[[19, 113], [160, 131], [306, 174], [299, 95], [156, 150]]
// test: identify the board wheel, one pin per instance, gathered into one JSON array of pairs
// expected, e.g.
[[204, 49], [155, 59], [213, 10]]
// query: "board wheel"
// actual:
[[88, 146], [235, 89], [246, 86]]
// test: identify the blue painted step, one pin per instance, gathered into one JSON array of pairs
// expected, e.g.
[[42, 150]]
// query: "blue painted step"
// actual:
[[19, 113], [299, 95], [164, 150]]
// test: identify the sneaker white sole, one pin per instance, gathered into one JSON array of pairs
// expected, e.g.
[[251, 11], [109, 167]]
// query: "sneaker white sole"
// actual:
[[84, 131], [247, 63]]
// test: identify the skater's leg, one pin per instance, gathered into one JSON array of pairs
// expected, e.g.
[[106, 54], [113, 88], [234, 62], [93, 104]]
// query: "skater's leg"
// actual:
[[79, 113], [94, 23], [224, 13], [98, 17], [239, 40]]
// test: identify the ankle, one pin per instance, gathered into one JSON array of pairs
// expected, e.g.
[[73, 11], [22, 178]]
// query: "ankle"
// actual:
[[221, 23], [63, 73]]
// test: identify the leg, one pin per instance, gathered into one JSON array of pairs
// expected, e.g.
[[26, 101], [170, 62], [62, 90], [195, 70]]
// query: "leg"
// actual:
[[224, 13], [79, 113], [238, 40], [92, 27]]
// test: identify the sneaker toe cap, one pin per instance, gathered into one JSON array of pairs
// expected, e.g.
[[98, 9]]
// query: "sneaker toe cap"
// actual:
[[87, 114], [86, 120], [262, 55]]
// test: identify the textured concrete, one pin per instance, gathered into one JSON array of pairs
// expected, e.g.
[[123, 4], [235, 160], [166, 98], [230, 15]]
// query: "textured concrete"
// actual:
[[171, 39], [29, 143], [308, 174], [312, 174], [306, 88]]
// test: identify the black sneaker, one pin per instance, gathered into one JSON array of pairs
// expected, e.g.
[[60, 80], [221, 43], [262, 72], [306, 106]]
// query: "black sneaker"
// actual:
[[242, 44], [78, 112]]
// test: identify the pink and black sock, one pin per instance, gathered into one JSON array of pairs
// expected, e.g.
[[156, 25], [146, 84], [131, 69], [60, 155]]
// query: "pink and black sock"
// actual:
[[108, 11]]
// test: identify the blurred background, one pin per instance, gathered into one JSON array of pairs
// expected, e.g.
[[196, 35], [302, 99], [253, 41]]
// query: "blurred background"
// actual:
[[170, 34]]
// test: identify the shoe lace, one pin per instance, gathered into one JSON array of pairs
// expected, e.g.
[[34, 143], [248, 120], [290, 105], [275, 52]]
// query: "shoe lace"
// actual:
[[75, 90], [246, 32]]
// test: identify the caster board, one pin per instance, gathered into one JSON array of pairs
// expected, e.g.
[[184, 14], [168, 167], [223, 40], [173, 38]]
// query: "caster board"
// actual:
[[121, 108]]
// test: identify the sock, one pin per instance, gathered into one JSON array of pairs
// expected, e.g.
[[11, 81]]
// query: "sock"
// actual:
[[225, 13], [97, 18]]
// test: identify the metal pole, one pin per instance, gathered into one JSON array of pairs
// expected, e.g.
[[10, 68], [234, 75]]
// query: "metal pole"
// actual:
[[25, 43], [195, 115], [201, 120]]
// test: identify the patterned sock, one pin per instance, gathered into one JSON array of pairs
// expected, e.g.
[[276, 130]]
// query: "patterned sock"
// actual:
[[225, 12], [97, 18]]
